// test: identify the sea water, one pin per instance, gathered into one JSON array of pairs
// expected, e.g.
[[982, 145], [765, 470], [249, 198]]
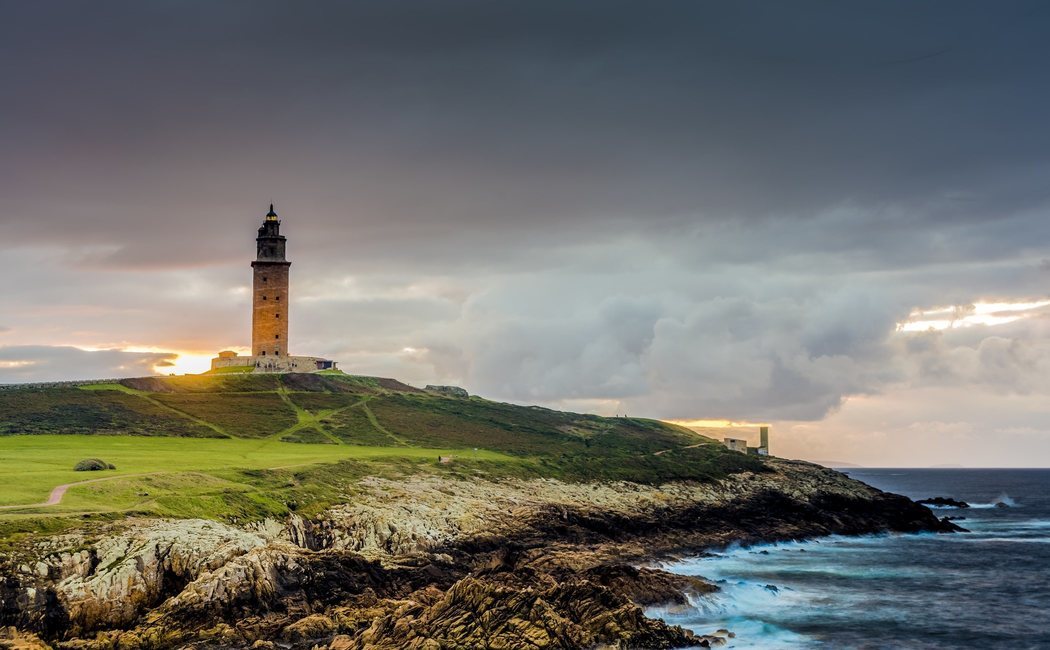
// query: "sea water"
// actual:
[[988, 588]]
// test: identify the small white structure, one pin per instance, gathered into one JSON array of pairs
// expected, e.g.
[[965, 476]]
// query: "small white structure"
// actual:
[[735, 444]]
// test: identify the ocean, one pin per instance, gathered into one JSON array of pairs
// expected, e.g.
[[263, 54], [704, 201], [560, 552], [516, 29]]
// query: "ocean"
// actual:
[[989, 588]]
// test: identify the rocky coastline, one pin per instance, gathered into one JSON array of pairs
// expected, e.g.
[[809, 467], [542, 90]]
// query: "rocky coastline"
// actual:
[[426, 563]]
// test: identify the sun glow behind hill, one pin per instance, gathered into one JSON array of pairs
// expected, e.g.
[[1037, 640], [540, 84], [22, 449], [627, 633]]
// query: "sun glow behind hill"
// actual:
[[182, 363], [187, 363]]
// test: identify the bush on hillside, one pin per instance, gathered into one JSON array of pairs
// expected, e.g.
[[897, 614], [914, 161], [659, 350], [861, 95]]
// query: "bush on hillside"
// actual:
[[92, 465]]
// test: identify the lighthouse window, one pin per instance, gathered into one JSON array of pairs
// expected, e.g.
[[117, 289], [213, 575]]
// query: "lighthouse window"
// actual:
[[277, 315], [264, 353], [277, 336], [264, 278], [264, 297], [277, 298]]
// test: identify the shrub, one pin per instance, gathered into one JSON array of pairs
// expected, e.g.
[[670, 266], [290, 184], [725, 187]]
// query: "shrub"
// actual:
[[92, 465]]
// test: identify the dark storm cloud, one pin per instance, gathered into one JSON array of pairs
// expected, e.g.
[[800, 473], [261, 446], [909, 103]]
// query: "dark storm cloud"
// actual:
[[409, 123], [687, 208]]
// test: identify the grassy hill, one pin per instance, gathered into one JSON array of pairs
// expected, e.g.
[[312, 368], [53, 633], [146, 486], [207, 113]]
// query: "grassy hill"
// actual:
[[243, 446]]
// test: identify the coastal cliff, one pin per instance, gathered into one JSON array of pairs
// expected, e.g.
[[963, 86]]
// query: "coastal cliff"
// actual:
[[427, 562]]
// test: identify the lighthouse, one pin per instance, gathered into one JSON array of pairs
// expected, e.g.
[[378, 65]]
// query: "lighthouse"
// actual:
[[270, 307], [270, 290]]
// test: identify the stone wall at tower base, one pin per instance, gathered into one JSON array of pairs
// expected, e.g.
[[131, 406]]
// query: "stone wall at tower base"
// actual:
[[274, 364]]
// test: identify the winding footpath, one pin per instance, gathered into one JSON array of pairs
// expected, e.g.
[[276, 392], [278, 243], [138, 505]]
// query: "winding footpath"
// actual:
[[664, 451], [59, 491]]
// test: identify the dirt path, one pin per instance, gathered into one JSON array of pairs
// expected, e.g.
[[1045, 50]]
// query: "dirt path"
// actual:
[[59, 491], [56, 495], [171, 409], [379, 427], [664, 451], [308, 420]]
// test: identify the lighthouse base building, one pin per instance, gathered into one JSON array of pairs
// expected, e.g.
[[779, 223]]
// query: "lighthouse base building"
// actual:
[[270, 272], [287, 363]]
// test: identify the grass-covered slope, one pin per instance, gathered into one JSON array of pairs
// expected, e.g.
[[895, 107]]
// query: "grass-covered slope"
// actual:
[[366, 411], [244, 446]]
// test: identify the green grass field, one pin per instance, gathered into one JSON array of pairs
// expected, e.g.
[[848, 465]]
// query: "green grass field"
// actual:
[[243, 446], [213, 478]]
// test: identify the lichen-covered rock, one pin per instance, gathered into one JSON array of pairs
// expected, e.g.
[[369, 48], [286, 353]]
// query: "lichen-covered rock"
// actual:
[[14, 639], [341, 642], [507, 612], [451, 391], [151, 561], [122, 574], [310, 628], [428, 562], [423, 514]]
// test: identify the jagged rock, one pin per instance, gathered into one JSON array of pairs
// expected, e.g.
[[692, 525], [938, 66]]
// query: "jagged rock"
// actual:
[[429, 562], [498, 614], [795, 499], [645, 586], [13, 639], [341, 642], [124, 573], [943, 502], [151, 562], [311, 628], [451, 391]]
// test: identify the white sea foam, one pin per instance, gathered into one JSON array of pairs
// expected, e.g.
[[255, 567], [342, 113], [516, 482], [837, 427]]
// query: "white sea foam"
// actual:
[[766, 588], [1004, 499], [725, 609], [846, 592]]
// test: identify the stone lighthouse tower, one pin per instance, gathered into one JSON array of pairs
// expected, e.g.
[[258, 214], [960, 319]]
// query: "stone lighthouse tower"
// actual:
[[270, 291], [269, 312]]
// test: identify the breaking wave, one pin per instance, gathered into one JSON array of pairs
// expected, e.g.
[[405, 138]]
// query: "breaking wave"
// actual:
[[914, 591]]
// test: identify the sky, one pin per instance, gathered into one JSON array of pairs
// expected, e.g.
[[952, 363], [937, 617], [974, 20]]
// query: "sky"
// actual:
[[832, 217]]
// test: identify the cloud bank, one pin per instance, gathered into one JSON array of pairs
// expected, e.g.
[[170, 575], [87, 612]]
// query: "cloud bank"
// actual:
[[679, 211]]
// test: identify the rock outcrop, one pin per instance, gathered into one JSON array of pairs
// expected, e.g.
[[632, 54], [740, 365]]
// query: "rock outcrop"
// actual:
[[78, 584], [13, 639], [505, 611], [451, 391], [429, 563], [943, 502]]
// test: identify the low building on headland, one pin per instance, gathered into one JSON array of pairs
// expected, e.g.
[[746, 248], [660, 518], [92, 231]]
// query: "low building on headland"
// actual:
[[270, 308], [735, 444], [287, 363], [740, 444]]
